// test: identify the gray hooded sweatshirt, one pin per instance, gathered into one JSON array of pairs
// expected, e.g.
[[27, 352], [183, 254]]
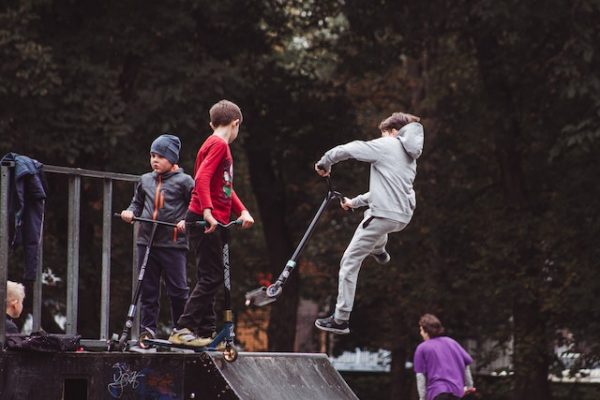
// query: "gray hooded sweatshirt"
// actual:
[[174, 190], [393, 170]]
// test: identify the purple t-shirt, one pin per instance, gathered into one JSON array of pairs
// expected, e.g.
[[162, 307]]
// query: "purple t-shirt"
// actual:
[[443, 361]]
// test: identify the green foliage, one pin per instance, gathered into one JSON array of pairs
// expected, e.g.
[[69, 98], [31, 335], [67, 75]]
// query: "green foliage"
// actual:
[[28, 75]]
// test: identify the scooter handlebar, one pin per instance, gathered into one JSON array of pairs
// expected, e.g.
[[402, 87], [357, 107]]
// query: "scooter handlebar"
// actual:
[[171, 224]]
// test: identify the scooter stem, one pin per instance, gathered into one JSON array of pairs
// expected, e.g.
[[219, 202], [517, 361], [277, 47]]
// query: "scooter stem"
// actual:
[[266, 295], [291, 264]]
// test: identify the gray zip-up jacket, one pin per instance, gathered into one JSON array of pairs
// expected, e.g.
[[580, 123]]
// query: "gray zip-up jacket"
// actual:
[[393, 170], [164, 198]]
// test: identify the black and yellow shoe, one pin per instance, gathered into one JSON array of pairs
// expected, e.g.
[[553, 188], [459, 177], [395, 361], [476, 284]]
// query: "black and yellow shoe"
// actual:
[[330, 324], [182, 336]]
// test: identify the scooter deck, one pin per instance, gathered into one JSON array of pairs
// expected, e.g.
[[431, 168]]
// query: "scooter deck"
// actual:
[[259, 297], [165, 344]]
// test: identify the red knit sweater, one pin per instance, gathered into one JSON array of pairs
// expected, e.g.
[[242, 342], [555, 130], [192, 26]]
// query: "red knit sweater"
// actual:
[[213, 176]]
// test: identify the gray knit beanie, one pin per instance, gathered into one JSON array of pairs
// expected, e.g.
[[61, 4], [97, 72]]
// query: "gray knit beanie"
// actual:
[[167, 146]]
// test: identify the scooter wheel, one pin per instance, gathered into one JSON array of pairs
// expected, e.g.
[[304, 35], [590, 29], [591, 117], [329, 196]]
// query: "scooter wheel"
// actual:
[[274, 290], [230, 354], [142, 339]]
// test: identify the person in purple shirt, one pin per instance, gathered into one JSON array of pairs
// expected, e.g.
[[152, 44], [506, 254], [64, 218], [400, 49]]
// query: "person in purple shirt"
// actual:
[[441, 364]]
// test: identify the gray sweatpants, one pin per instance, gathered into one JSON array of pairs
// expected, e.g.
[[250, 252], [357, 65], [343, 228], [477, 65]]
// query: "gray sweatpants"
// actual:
[[369, 239]]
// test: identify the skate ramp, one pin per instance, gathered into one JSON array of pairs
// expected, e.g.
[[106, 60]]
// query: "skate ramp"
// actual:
[[282, 376], [169, 375]]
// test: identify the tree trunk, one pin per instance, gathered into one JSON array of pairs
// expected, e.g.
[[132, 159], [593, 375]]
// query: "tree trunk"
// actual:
[[270, 195], [401, 386], [530, 342], [530, 352]]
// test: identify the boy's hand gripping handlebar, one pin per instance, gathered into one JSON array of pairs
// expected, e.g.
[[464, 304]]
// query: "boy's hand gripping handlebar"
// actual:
[[267, 295]]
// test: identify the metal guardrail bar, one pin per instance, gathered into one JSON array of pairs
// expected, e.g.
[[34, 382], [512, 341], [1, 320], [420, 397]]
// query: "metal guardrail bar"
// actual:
[[73, 242], [73, 248], [91, 173]]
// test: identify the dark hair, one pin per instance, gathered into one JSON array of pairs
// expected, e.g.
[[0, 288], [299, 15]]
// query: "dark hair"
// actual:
[[224, 112], [397, 120], [431, 325]]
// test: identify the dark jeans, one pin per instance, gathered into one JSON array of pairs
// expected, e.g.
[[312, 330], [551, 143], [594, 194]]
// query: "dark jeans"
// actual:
[[171, 264], [199, 313], [446, 396]]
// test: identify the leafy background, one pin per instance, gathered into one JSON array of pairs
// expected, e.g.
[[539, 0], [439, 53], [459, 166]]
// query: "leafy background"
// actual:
[[503, 245]]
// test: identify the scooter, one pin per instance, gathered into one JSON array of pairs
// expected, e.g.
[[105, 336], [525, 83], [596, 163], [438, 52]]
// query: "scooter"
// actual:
[[266, 295], [119, 342], [226, 335]]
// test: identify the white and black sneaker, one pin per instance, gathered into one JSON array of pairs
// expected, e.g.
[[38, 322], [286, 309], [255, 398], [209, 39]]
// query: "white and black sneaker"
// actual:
[[382, 258], [329, 324]]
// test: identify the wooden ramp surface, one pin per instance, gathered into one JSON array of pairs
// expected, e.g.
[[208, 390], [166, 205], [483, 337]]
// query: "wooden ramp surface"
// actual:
[[283, 376], [169, 375]]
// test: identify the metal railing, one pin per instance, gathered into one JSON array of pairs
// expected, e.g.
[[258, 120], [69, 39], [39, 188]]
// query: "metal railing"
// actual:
[[75, 176]]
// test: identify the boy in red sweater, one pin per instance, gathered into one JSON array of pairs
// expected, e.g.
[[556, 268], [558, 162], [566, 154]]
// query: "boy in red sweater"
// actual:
[[213, 200]]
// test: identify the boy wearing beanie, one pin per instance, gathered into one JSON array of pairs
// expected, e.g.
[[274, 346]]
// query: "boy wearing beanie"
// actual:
[[162, 195]]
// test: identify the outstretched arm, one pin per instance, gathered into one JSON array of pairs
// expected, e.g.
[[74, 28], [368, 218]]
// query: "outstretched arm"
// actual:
[[358, 150]]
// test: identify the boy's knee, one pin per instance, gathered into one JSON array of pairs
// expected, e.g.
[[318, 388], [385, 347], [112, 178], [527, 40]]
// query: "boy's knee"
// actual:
[[181, 295], [209, 284], [346, 271]]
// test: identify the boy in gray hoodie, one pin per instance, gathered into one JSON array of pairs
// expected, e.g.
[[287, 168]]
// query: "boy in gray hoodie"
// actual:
[[391, 202], [162, 195]]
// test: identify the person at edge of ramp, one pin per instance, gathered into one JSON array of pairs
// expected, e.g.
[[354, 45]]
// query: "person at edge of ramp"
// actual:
[[213, 200], [15, 293], [441, 364], [391, 202], [162, 195]]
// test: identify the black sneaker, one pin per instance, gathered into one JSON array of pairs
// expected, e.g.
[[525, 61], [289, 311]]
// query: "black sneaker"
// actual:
[[328, 324], [382, 258]]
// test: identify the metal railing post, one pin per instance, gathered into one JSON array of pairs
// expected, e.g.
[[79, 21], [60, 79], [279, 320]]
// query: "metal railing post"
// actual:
[[4, 191], [37, 285], [73, 253], [106, 253]]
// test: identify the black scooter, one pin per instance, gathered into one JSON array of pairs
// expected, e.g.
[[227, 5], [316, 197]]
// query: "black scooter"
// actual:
[[119, 342], [266, 295], [224, 339]]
